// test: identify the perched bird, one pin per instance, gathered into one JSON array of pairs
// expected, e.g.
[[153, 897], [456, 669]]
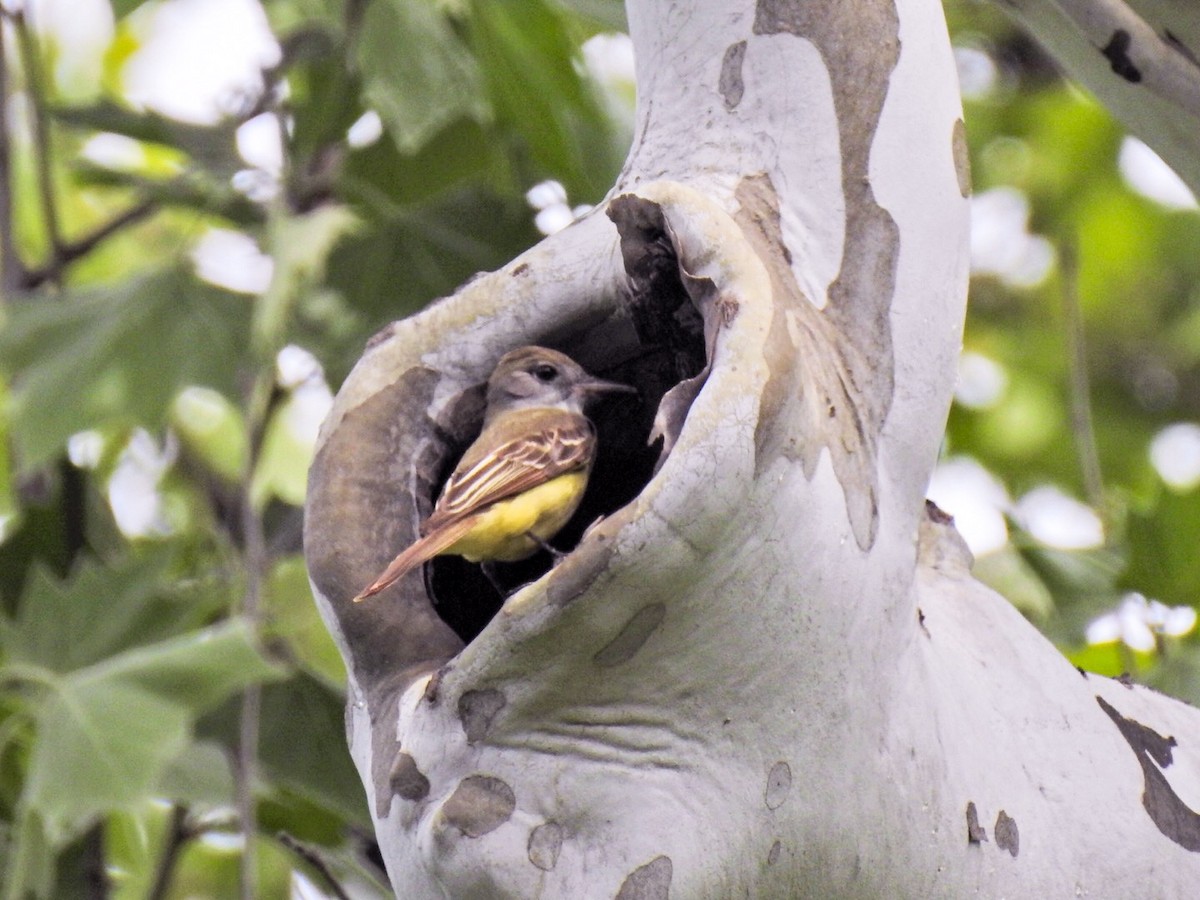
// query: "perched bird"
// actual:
[[523, 478]]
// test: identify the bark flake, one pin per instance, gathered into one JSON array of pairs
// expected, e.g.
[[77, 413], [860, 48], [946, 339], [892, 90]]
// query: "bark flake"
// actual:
[[480, 804], [477, 710], [773, 853], [730, 83], [649, 882], [976, 833], [407, 780], [545, 843], [1167, 811], [1007, 837]]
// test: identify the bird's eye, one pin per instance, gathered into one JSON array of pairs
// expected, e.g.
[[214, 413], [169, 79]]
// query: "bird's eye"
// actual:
[[545, 372]]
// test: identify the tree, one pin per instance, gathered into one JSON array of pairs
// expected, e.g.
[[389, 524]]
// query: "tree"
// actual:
[[175, 654], [770, 673]]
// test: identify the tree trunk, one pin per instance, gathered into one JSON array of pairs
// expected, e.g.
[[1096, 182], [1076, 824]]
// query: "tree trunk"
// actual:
[[767, 672]]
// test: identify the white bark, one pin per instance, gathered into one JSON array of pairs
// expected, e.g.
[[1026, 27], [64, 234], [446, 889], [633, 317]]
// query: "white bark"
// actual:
[[1141, 58], [770, 675]]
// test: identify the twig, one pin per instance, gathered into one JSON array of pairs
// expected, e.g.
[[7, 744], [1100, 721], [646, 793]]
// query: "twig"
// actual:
[[32, 64], [12, 270], [310, 856], [73, 250], [178, 834], [95, 877], [259, 404], [1081, 404]]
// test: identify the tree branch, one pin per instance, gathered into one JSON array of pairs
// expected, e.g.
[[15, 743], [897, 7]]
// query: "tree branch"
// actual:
[[12, 270], [72, 250], [35, 86]]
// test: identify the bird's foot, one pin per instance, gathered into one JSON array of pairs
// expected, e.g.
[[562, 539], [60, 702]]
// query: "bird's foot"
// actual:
[[556, 555]]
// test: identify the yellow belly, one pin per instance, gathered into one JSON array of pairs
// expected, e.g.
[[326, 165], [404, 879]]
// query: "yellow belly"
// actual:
[[502, 532]]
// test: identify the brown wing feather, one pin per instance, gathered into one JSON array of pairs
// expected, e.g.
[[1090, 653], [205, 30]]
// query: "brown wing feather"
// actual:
[[415, 554], [514, 467]]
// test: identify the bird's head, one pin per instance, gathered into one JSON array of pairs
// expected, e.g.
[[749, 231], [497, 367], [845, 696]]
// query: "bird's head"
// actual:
[[536, 376]]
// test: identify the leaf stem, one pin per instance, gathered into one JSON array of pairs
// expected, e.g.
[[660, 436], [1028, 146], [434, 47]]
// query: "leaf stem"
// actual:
[[259, 404], [178, 834], [313, 858]]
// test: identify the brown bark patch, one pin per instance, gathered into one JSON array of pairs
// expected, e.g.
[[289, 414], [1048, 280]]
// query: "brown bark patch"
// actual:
[[779, 785], [962, 157], [479, 804], [730, 83], [407, 780], [545, 843], [1007, 836], [649, 882], [1170, 814], [477, 710], [976, 833]]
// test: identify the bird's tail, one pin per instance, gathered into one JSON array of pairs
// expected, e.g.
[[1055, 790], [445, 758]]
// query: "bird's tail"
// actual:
[[410, 557]]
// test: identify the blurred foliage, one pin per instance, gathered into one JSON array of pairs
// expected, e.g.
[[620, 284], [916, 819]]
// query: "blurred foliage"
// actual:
[[1136, 275], [126, 635]]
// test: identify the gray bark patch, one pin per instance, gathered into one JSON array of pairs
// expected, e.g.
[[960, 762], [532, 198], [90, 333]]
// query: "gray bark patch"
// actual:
[[1116, 51], [649, 882], [545, 842], [479, 804], [407, 780], [849, 343], [976, 833], [1170, 814], [730, 83], [962, 157], [477, 710], [636, 632], [779, 785], [1007, 837]]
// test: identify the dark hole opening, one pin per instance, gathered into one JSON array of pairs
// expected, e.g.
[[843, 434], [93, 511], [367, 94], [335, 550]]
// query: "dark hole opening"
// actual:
[[655, 342]]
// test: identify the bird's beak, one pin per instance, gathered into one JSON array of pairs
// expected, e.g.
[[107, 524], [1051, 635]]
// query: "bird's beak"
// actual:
[[596, 386]]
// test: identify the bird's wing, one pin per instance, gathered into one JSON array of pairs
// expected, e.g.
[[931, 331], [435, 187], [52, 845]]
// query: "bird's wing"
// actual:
[[416, 554], [514, 467]]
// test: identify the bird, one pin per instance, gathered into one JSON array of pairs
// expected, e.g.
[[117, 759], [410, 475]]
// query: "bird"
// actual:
[[522, 479]]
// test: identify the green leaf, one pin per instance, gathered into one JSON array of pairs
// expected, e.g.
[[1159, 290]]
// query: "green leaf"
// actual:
[[99, 611], [299, 246], [425, 252], [213, 429], [293, 617], [106, 733], [416, 72], [199, 775], [302, 744], [118, 354], [529, 60], [212, 146], [192, 190]]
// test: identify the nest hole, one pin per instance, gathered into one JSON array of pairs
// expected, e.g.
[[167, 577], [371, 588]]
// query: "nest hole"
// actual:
[[654, 342]]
